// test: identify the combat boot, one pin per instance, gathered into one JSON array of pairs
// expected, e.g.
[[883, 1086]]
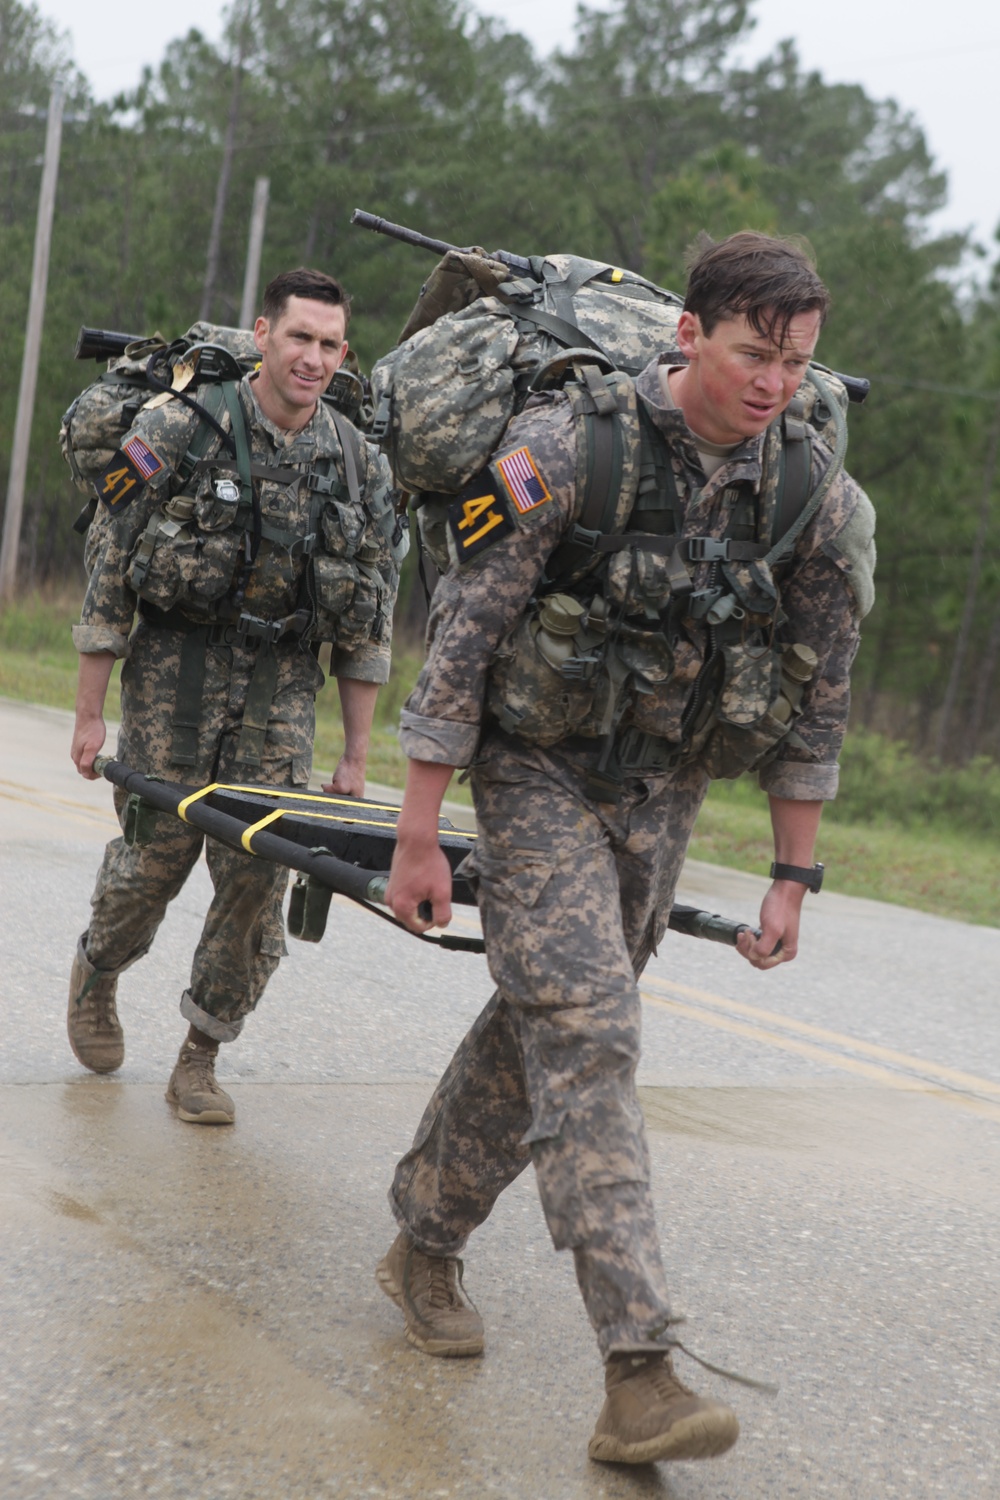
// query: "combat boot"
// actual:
[[440, 1319], [648, 1415], [193, 1090], [92, 1023]]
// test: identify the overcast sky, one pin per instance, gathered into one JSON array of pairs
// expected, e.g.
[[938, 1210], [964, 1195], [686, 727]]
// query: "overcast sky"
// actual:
[[938, 61]]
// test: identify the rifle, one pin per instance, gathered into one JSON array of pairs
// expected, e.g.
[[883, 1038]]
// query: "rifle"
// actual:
[[339, 845], [103, 343], [856, 386]]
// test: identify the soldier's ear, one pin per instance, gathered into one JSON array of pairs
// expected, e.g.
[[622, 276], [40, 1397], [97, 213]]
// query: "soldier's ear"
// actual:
[[689, 334], [260, 332]]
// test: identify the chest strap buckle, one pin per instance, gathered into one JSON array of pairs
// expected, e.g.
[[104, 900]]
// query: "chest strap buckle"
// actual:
[[707, 549]]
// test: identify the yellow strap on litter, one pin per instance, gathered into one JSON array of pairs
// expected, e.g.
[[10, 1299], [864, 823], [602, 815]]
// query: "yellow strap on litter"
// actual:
[[288, 791], [617, 275], [195, 797], [340, 818], [248, 833]]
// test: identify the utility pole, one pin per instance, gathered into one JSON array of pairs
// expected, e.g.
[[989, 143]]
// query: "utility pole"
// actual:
[[32, 347], [225, 170], [258, 218]]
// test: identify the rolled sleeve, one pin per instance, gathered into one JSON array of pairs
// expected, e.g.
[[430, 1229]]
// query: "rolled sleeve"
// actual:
[[799, 782], [441, 741], [92, 639], [368, 662]]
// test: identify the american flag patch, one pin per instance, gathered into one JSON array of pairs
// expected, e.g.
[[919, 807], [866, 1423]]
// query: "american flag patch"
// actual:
[[525, 484], [144, 459]]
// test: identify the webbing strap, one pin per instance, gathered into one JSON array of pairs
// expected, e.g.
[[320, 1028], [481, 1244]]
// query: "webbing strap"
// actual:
[[605, 459], [213, 402], [262, 471], [784, 545], [793, 479], [186, 721], [256, 710], [561, 329], [202, 791], [241, 434], [345, 433]]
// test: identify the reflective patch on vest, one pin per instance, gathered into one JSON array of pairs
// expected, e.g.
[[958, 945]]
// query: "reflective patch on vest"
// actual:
[[526, 486], [478, 518], [127, 474]]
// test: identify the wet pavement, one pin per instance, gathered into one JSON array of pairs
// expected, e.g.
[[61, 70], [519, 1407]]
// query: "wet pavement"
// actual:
[[192, 1312]]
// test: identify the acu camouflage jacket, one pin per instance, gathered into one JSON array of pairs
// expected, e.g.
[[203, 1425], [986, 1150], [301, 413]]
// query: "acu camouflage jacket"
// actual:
[[313, 544], [482, 602]]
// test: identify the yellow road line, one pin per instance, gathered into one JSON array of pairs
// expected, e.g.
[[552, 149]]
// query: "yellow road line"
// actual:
[[825, 1056], [822, 1034]]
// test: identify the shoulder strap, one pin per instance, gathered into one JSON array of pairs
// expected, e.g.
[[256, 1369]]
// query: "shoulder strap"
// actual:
[[808, 506], [604, 461], [213, 401]]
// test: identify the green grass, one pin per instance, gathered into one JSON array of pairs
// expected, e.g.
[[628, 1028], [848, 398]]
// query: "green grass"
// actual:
[[900, 831]]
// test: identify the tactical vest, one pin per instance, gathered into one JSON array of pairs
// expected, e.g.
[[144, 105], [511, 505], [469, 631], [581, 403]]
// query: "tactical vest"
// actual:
[[603, 629], [194, 563]]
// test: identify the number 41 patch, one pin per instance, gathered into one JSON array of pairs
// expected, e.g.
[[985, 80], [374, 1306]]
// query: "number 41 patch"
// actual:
[[478, 518], [131, 468]]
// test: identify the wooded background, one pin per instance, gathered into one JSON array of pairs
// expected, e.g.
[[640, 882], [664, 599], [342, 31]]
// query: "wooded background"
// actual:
[[621, 148]]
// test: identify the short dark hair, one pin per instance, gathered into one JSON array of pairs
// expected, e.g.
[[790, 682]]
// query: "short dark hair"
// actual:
[[768, 281], [304, 282]]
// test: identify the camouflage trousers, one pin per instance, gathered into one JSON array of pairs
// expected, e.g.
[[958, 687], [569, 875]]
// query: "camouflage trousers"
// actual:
[[574, 896], [243, 936]]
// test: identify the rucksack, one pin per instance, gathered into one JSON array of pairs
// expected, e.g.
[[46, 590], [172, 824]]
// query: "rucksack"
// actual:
[[478, 340], [92, 428]]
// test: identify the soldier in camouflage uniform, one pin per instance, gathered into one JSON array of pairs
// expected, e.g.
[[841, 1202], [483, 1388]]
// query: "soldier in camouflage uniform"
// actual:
[[218, 680], [575, 889]]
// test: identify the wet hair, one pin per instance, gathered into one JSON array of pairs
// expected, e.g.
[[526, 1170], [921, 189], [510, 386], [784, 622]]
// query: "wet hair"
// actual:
[[316, 285], [766, 280]]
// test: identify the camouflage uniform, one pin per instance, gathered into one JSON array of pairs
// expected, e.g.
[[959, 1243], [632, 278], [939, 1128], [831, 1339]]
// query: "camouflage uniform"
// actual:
[[575, 893], [242, 939]]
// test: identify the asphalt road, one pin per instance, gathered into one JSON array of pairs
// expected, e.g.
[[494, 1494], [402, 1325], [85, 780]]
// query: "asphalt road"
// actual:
[[188, 1312]]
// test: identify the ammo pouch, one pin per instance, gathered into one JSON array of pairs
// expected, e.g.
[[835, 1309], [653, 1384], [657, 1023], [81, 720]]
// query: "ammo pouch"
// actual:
[[758, 702], [347, 587], [539, 702], [188, 554]]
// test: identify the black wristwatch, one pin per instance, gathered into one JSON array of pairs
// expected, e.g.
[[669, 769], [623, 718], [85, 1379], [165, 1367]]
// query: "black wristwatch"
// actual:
[[811, 879]]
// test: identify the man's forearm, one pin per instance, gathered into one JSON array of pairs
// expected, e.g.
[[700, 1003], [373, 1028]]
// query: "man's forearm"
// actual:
[[93, 676], [795, 826], [357, 711]]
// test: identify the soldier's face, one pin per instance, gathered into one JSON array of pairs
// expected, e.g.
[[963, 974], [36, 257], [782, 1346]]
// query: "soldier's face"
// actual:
[[300, 353], [738, 380]]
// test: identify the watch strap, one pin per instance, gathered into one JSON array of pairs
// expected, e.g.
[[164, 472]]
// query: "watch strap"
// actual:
[[809, 876]]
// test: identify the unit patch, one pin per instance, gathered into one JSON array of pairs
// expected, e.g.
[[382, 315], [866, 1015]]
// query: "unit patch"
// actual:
[[132, 466], [478, 518], [520, 474]]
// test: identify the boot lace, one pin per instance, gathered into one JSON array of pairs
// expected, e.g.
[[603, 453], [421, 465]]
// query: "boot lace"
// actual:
[[95, 1006], [199, 1065], [435, 1279]]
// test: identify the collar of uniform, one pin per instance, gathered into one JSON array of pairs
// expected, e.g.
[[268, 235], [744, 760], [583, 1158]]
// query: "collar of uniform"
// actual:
[[297, 445], [745, 463]]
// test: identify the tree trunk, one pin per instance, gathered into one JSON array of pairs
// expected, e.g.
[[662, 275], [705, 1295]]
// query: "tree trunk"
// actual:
[[971, 593]]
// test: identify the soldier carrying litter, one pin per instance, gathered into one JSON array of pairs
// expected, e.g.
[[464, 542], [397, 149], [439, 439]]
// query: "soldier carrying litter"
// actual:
[[593, 677], [244, 528]]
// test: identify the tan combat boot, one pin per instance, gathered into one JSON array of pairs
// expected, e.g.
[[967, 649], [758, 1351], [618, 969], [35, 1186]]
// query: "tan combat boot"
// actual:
[[193, 1090], [648, 1415], [92, 1023], [440, 1319]]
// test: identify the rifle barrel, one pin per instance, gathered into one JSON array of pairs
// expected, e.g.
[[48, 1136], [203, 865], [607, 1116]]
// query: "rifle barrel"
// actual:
[[400, 232], [103, 343]]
